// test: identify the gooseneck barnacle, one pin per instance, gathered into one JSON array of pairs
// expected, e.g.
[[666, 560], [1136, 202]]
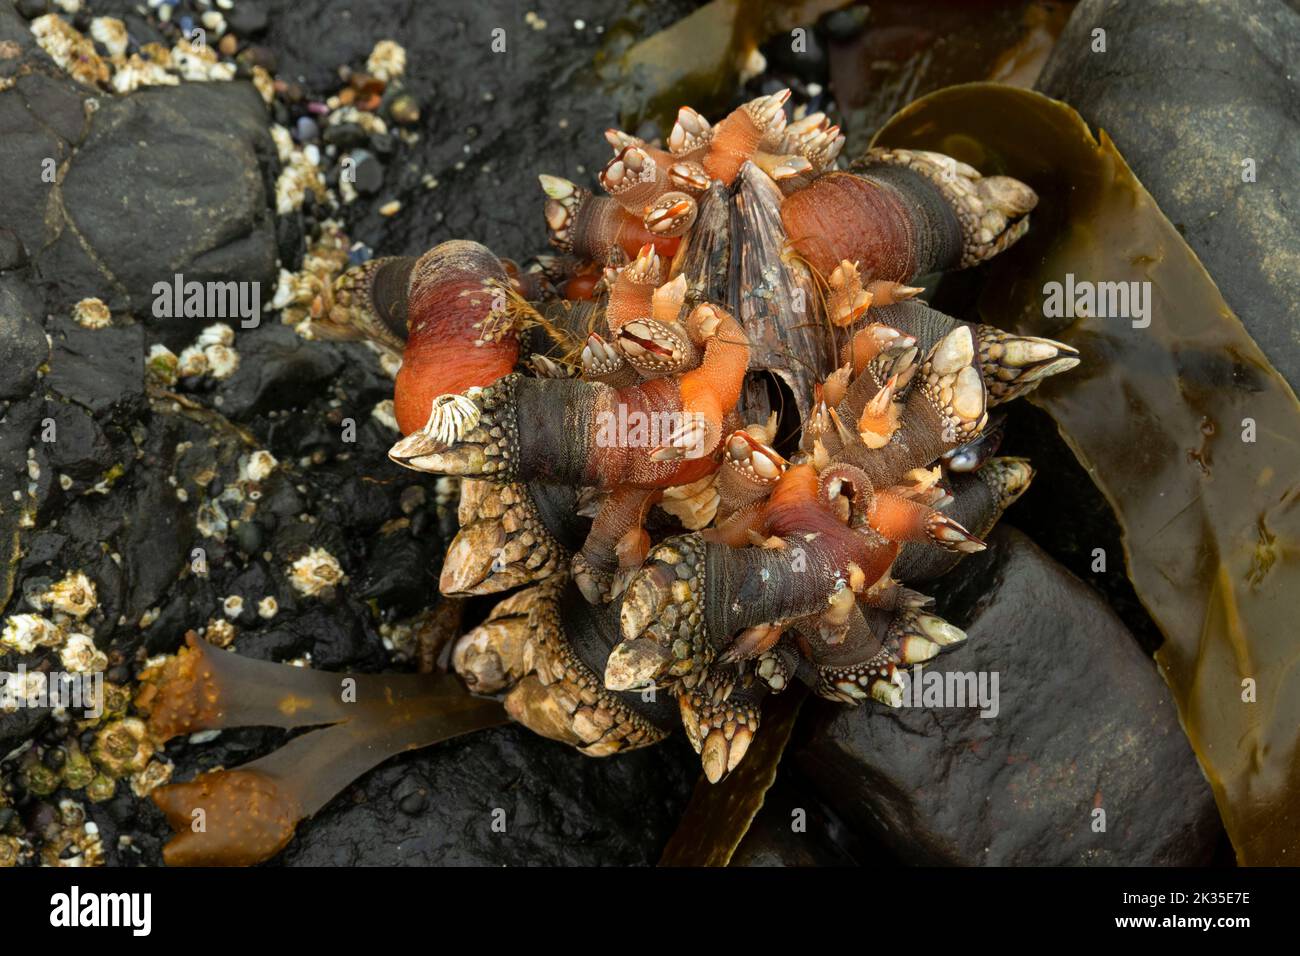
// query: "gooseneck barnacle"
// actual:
[[622, 461]]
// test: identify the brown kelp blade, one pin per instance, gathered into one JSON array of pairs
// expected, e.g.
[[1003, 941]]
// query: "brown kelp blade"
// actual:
[[696, 60], [719, 814], [245, 815], [1187, 429]]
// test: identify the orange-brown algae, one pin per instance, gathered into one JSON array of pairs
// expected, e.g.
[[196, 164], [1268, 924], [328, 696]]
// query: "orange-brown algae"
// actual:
[[227, 818], [180, 696]]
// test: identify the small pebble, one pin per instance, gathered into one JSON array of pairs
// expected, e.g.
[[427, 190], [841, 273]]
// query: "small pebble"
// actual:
[[404, 109], [31, 9], [345, 135], [306, 129], [384, 145], [259, 56], [413, 804], [369, 173], [248, 18]]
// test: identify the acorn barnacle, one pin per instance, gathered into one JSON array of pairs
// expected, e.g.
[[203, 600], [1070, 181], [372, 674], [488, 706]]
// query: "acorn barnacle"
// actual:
[[714, 443]]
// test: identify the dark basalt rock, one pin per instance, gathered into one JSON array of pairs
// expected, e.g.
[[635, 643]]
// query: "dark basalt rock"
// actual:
[[97, 368], [188, 170], [794, 828], [438, 806], [1188, 91], [23, 347], [277, 369], [1084, 722], [490, 122], [168, 180], [247, 19]]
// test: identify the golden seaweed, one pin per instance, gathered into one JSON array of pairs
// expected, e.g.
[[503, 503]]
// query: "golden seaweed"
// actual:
[[1184, 425]]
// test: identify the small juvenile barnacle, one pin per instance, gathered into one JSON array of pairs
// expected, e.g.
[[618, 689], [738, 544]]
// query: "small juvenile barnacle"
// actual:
[[112, 33], [315, 572], [162, 365], [222, 361], [122, 748], [92, 314], [192, 363], [387, 61], [219, 632], [80, 656], [11, 851], [155, 774], [257, 467], [25, 632], [77, 771], [73, 595]]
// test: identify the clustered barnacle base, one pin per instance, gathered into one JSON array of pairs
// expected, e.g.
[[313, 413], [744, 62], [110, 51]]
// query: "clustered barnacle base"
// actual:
[[717, 439]]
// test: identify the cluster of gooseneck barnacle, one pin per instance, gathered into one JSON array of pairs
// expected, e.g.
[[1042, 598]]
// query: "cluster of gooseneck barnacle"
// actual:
[[674, 536]]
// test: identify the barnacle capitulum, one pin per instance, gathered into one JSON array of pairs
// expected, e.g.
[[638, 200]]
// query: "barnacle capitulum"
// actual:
[[682, 539]]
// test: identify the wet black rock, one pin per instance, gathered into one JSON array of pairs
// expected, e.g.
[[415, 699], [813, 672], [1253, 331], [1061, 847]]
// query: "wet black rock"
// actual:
[[13, 255], [190, 167], [503, 797], [23, 347], [1203, 101], [1084, 726], [112, 194], [793, 828], [80, 450], [490, 121], [369, 173], [247, 19], [97, 368], [277, 369]]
